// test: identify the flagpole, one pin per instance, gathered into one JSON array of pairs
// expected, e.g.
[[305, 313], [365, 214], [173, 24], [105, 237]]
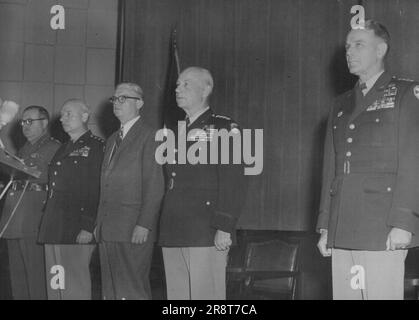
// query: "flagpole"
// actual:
[[174, 41]]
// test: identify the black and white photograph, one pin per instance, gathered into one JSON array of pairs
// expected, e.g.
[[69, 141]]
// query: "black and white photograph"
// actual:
[[209, 154]]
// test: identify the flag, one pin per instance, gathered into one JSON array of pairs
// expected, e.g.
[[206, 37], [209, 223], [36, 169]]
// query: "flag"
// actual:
[[171, 112]]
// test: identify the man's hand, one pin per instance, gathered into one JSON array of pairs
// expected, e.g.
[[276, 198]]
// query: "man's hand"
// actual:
[[322, 244], [84, 237], [222, 240], [139, 235], [398, 239]]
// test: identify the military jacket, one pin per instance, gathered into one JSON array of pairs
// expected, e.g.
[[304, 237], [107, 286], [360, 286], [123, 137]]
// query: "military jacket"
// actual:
[[201, 198], [74, 188], [371, 166], [25, 220]]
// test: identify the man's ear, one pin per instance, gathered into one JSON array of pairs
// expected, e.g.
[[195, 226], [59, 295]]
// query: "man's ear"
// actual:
[[45, 123], [140, 104], [207, 91], [85, 117], [382, 48]]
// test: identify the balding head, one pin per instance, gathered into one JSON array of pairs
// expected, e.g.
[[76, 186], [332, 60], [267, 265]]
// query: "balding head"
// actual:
[[194, 87], [74, 116], [202, 75]]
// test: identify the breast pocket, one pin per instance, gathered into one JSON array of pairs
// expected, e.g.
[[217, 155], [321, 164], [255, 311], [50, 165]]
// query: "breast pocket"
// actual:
[[378, 128]]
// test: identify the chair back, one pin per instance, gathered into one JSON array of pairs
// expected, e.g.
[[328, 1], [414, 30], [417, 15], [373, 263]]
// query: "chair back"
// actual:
[[272, 255]]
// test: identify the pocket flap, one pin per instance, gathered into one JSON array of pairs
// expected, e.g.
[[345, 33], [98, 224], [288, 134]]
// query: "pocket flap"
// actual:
[[378, 185]]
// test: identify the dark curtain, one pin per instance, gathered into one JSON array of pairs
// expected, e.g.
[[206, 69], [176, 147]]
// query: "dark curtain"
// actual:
[[277, 65]]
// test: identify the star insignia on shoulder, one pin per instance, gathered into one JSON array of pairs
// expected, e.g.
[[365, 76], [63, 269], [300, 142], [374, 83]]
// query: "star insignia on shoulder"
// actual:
[[222, 117], [416, 91]]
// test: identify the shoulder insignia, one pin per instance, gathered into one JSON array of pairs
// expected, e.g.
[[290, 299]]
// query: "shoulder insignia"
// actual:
[[222, 117], [403, 79], [416, 91], [97, 138]]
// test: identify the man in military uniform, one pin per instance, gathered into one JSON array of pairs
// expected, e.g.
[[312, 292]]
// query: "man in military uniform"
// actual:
[[70, 213], [202, 202], [22, 212], [369, 200]]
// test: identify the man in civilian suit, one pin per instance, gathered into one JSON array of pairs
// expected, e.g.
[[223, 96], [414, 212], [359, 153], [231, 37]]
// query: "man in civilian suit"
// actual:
[[131, 191], [369, 200]]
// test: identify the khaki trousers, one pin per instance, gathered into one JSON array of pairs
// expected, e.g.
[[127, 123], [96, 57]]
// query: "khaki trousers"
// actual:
[[67, 271], [368, 275], [195, 273], [27, 269]]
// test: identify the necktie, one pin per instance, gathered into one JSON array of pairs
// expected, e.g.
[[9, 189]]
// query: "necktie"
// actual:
[[118, 141], [363, 87]]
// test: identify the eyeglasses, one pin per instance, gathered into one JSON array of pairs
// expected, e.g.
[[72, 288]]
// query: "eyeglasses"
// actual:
[[122, 99], [29, 122]]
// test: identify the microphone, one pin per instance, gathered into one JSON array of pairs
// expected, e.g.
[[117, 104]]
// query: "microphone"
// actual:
[[8, 112]]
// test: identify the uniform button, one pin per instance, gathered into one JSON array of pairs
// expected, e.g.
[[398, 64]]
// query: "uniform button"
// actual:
[[81, 209], [55, 173], [208, 203], [53, 184], [348, 154], [351, 126], [75, 161], [349, 140], [59, 163], [173, 174], [12, 193], [377, 120], [388, 189], [334, 127]]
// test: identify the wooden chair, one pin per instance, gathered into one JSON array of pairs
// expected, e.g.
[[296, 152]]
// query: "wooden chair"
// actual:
[[270, 271]]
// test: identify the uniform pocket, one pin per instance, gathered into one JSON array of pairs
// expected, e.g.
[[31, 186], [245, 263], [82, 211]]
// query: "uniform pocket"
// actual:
[[382, 185]]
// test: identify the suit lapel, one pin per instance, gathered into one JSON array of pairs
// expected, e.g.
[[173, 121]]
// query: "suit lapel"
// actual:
[[133, 134], [374, 94]]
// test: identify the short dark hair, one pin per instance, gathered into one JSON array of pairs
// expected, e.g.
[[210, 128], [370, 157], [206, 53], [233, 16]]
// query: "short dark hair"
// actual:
[[43, 112], [379, 31]]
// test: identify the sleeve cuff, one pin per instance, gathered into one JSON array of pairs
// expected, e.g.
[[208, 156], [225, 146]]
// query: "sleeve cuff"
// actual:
[[223, 221], [404, 219], [87, 223]]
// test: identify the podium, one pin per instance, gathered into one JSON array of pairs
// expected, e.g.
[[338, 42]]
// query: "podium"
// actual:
[[15, 169]]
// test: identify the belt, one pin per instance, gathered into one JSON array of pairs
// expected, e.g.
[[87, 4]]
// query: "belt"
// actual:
[[32, 186]]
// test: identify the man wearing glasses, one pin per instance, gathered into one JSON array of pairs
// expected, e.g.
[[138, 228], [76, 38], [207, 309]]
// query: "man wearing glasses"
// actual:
[[22, 212], [131, 191]]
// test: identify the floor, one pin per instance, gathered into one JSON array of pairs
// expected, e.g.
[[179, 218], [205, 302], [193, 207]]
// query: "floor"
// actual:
[[314, 284]]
